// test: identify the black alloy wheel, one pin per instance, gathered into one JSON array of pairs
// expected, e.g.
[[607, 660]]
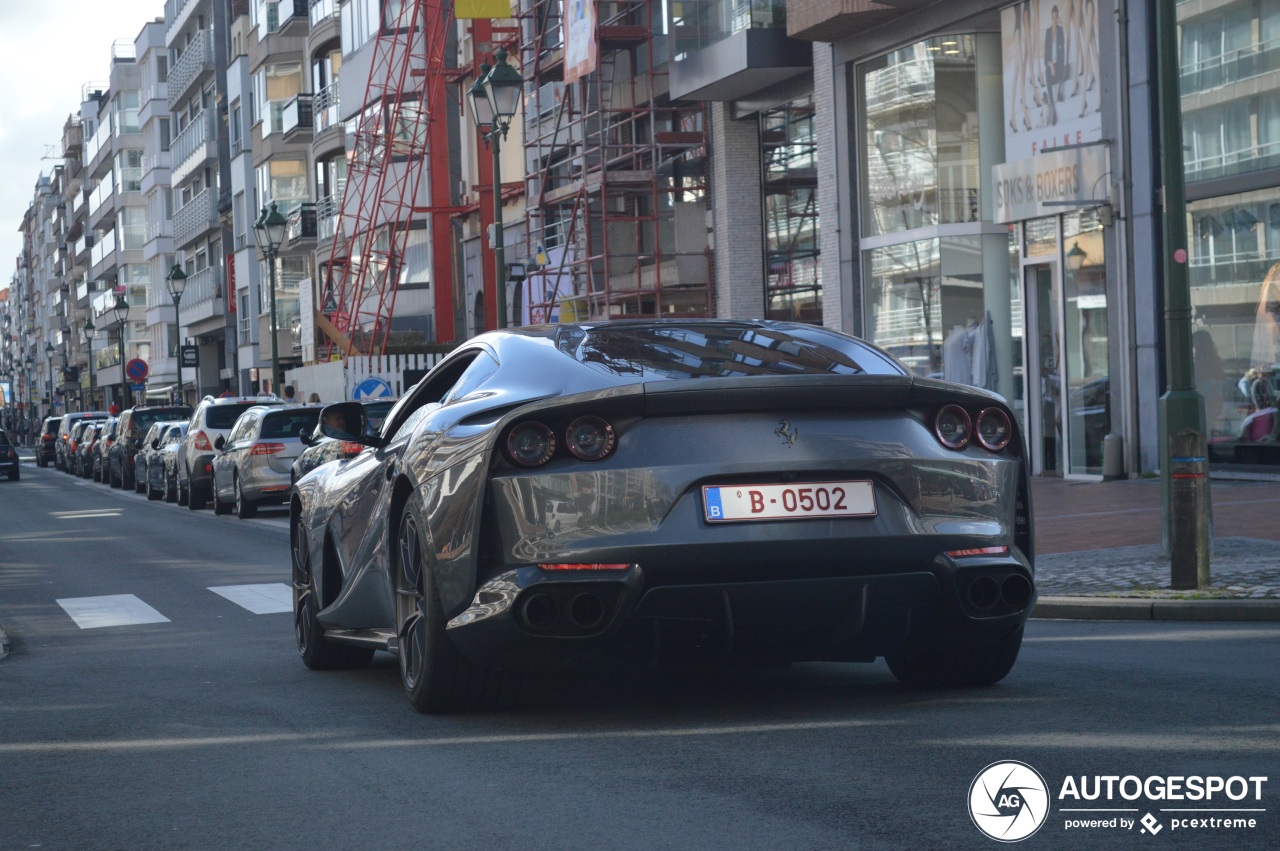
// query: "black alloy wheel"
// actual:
[[436, 677], [245, 507], [317, 653], [195, 496], [170, 487]]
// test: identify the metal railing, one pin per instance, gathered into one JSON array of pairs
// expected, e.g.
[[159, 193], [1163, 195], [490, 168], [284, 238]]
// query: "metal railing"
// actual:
[[195, 60], [1231, 67], [324, 108], [193, 219], [321, 10]]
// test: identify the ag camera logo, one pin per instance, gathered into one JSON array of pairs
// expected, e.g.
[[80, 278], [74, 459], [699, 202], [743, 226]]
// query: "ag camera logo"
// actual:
[[1008, 801]]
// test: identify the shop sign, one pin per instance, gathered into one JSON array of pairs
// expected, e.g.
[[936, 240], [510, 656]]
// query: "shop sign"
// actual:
[[1051, 183]]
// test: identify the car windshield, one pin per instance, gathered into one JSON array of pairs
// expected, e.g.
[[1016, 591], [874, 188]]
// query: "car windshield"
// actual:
[[225, 416], [692, 350], [278, 424]]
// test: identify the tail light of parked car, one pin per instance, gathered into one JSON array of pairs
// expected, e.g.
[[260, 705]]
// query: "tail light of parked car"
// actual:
[[266, 448], [201, 442], [46, 437], [587, 438], [13, 456]]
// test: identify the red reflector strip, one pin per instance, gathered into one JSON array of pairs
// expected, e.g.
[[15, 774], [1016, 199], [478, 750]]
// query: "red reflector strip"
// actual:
[[584, 566], [980, 551]]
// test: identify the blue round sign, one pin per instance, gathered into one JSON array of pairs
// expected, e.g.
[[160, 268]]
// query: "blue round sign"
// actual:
[[136, 369], [372, 388]]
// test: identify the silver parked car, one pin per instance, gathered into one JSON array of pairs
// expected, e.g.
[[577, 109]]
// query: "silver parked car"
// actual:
[[148, 453], [254, 462], [162, 472]]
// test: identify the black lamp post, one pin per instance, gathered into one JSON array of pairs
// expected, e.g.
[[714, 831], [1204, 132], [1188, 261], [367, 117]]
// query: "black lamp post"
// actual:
[[121, 311], [48, 353], [86, 333], [495, 97], [270, 228], [177, 285]]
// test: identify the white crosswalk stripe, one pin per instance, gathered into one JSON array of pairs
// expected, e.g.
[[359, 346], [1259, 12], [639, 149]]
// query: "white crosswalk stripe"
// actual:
[[112, 610], [259, 599]]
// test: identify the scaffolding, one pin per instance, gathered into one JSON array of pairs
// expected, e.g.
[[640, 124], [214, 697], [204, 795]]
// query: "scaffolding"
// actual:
[[400, 124], [616, 212]]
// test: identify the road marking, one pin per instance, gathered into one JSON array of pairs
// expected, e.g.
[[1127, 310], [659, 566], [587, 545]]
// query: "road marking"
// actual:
[[113, 610], [259, 599]]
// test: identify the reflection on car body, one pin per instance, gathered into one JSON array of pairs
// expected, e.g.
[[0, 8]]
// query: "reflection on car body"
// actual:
[[737, 489]]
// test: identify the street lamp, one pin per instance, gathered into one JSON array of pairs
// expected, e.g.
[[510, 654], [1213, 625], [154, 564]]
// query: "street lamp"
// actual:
[[270, 228], [121, 311], [48, 353], [86, 333], [177, 285], [495, 97], [1075, 258]]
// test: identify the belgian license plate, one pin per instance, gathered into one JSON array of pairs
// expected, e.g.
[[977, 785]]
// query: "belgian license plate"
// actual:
[[733, 503]]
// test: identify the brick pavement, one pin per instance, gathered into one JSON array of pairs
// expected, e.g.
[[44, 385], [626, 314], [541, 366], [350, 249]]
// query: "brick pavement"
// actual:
[[1072, 516]]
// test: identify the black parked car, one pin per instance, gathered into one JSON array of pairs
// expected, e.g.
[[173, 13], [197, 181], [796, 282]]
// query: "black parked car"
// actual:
[[9, 463], [47, 442], [84, 458], [738, 489], [134, 424], [101, 466]]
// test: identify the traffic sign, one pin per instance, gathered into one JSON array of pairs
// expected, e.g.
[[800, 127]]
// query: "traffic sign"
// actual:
[[136, 369], [137, 388], [372, 388]]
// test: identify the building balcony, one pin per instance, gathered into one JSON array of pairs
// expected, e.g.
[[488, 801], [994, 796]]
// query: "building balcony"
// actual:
[[203, 298], [295, 19], [176, 15], [155, 172], [193, 67], [102, 200], [296, 118], [300, 227], [739, 64], [162, 229], [324, 19], [196, 218], [103, 259], [193, 147], [834, 20], [324, 111], [82, 249], [99, 154]]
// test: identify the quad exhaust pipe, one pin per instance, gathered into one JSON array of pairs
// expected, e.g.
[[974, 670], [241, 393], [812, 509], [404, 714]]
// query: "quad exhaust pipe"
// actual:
[[564, 613]]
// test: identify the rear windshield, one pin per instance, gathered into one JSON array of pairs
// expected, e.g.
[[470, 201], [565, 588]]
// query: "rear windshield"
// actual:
[[51, 427], [289, 423], [143, 420], [691, 350], [225, 416]]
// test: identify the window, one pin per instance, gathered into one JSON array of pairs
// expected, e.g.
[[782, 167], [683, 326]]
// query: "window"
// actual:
[[165, 137], [126, 109], [132, 228], [282, 181], [274, 86], [793, 275], [162, 68], [129, 170]]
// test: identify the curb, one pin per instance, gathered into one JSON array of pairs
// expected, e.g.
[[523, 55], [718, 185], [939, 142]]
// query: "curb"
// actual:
[[1122, 609]]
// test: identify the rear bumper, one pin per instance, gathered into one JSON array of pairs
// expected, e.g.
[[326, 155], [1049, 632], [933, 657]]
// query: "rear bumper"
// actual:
[[530, 618]]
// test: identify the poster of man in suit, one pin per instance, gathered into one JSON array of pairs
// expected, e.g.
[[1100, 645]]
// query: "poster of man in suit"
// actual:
[[1052, 92]]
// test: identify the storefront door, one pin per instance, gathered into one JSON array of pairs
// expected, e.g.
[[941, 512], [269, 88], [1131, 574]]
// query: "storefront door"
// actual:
[[1044, 369]]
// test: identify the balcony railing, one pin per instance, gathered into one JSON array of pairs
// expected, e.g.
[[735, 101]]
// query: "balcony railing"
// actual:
[[195, 217], [192, 146], [82, 246], [82, 291], [324, 108], [296, 115], [327, 216], [321, 10], [1231, 67], [104, 248], [300, 224], [105, 189], [203, 289], [195, 61]]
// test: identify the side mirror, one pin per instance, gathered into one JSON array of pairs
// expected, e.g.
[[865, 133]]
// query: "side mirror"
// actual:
[[304, 436], [346, 421], [219, 443]]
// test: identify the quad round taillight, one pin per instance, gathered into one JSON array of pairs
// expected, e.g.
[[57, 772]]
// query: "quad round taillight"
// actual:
[[953, 427], [531, 444], [994, 429], [590, 438]]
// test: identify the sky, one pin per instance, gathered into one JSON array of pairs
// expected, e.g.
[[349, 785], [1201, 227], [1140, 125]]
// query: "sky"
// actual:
[[48, 51]]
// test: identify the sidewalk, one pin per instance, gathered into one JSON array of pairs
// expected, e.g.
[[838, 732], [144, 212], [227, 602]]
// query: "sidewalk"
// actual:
[[1099, 552]]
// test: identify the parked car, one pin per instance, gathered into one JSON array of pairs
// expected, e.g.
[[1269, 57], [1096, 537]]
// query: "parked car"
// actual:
[[47, 442], [159, 451], [66, 427], [9, 461], [84, 450], [75, 442], [134, 424], [102, 448], [147, 453], [171, 443], [321, 450], [254, 462], [750, 481], [213, 418]]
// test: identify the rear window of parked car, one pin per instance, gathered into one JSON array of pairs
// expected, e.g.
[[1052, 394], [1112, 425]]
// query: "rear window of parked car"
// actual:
[[289, 424], [224, 416]]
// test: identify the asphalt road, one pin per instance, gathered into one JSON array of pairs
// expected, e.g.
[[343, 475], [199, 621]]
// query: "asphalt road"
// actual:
[[205, 731]]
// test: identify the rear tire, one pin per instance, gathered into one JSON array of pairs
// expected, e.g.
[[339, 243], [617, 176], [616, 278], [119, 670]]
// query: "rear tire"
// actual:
[[152, 493], [436, 677], [317, 653], [113, 480], [944, 666], [170, 489], [245, 507], [195, 496], [219, 507]]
